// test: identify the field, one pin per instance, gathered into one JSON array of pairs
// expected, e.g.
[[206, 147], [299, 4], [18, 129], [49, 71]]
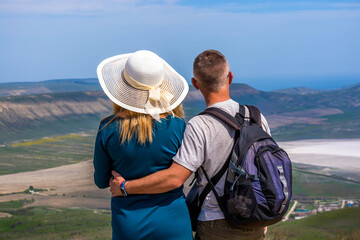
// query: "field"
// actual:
[[46, 152], [50, 128], [330, 127], [53, 223]]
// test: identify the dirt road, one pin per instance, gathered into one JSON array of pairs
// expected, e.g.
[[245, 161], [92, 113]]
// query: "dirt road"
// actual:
[[68, 186]]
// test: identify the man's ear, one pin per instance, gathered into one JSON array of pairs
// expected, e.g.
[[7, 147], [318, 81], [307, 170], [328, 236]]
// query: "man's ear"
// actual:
[[231, 76], [195, 83]]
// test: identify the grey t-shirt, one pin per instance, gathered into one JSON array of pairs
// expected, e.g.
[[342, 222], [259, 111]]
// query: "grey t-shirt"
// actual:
[[208, 141]]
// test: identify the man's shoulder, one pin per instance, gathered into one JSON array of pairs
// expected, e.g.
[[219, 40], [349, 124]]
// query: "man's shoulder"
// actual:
[[229, 106], [196, 120], [202, 122]]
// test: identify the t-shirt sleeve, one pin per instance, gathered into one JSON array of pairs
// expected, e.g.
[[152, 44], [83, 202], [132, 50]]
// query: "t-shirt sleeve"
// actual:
[[191, 153], [265, 125]]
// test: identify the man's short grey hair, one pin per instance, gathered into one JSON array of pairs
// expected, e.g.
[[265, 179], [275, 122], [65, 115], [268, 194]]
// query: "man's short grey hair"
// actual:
[[210, 69]]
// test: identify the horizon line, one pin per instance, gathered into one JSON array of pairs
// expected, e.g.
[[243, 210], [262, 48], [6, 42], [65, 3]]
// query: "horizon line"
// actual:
[[234, 82]]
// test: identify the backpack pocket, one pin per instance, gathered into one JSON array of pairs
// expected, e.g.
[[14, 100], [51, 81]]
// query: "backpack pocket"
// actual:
[[241, 202], [274, 178]]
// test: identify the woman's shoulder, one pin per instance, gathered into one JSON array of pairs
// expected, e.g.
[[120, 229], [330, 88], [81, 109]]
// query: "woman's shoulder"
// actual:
[[176, 122], [177, 119], [107, 120]]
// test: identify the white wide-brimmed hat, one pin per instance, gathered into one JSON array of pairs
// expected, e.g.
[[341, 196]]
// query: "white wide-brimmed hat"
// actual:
[[142, 82]]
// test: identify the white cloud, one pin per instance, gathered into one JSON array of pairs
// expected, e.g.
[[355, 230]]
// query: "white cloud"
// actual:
[[62, 7], [97, 7]]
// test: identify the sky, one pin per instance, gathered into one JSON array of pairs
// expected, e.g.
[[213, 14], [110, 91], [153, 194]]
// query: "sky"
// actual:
[[269, 44]]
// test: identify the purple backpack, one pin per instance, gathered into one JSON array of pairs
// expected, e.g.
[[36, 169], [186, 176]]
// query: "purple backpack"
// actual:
[[258, 184]]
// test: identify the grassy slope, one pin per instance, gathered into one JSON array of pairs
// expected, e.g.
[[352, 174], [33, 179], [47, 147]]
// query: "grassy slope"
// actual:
[[49, 223], [51, 128], [46, 153], [313, 186], [339, 224], [344, 125]]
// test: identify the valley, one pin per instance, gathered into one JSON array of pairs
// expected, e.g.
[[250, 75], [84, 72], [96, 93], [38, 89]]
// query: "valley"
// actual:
[[36, 204], [47, 133]]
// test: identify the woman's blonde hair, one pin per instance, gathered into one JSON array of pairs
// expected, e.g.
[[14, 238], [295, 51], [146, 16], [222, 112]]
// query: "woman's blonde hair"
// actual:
[[138, 124]]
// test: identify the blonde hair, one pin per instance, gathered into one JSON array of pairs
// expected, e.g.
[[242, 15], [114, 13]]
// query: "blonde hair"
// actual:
[[138, 124]]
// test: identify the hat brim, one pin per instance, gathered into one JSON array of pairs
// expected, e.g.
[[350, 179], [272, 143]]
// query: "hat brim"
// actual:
[[113, 83]]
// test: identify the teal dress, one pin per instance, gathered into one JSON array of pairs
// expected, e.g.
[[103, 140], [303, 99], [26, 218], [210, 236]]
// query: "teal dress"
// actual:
[[145, 216]]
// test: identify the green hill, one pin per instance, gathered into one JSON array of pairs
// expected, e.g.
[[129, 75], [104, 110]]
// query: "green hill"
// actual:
[[339, 224]]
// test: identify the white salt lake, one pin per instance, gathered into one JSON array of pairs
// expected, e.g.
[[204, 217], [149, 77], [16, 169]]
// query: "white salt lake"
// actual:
[[335, 153]]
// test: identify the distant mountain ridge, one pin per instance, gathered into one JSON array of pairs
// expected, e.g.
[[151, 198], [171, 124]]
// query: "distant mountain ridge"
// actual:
[[298, 90], [34, 116], [21, 110], [92, 84], [62, 106], [49, 86]]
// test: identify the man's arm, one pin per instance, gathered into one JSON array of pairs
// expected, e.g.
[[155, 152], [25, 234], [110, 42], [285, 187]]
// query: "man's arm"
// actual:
[[159, 182], [187, 160]]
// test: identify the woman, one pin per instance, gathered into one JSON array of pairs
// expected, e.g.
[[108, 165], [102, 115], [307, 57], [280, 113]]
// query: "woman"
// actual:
[[140, 138]]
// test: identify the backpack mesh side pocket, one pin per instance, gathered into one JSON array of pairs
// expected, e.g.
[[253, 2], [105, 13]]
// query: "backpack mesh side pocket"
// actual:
[[241, 202]]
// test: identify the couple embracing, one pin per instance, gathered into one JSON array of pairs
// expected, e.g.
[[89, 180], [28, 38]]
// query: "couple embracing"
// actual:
[[145, 151]]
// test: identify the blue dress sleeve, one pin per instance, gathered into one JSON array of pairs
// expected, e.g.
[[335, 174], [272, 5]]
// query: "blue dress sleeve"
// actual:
[[102, 162]]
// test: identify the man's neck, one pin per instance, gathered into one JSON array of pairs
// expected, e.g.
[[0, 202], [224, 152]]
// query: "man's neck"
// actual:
[[212, 98]]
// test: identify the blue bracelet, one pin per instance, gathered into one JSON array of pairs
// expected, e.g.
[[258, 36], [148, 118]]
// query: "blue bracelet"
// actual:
[[122, 188]]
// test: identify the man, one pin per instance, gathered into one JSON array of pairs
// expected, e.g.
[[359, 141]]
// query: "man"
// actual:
[[207, 142]]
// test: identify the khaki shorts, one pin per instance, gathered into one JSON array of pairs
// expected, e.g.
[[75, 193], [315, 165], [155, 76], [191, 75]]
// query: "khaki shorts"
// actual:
[[221, 230]]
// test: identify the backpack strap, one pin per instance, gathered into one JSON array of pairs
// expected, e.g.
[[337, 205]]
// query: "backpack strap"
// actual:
[[255, 116], [242, 110], [218, 198], [224, 116], [234, 122], [214, 180]]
